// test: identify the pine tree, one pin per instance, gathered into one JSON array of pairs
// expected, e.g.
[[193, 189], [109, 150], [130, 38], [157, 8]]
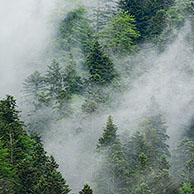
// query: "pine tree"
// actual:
[[113, 175], [183, 160], [73, 83], [86, 190], [100, 66], [34, 85], [53, 78], [186, 189], [143, 188], [51, 182], [7, 174], [24, 162], [74, 32], [149, 15], [119, 36], [109, 135]]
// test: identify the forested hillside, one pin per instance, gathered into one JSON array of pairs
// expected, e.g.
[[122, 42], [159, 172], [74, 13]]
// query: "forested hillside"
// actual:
[[109, 108]]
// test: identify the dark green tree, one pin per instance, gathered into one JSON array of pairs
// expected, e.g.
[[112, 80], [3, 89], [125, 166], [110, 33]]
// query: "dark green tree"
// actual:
[[51, 182], [7, 174], [86, 190], [109, 135], [186, 189], [24, 162], [149, 15], [100, 66]]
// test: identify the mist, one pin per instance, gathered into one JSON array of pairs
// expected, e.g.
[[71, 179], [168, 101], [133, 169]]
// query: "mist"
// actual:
[[24, 35], [167, 77]]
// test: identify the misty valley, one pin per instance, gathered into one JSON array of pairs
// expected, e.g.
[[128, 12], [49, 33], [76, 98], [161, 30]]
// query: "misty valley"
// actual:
[[97, 97]]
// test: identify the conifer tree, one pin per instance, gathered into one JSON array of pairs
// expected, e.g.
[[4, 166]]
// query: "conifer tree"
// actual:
[[86, 190], [74, 32], [109, 135], [143, 188], [113, 175], [34, 85], [24, 163], [149, 15], [186, 189], [120, 34], [100, 66], [53, 78], [73, 83], [7, 174]]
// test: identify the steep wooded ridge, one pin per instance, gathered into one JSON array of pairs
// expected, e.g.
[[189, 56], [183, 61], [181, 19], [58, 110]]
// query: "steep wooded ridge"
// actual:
[[104, 106]]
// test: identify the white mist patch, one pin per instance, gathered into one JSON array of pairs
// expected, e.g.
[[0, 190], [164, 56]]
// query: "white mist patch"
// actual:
[[23, 36], [169, 80]]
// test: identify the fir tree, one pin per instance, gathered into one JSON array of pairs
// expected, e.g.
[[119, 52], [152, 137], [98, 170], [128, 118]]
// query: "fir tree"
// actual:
[[119, 36], [53, 78], [100, 66], [86, 190], [113, 175], [149, 15], [34, 85]]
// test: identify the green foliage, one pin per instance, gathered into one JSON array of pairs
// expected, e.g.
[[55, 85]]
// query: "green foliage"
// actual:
[[74, 32], [100, 66], [113, 175], [23, 161], [149, 15], [186, 189], [53, 78], [143, 188], [119, 36], [73, 83], [34, 84], [86, 190], [183, 161], [5, 166], [109, 135]]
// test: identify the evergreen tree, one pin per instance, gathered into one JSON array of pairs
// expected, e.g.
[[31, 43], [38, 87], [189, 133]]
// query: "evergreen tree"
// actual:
[[73, 83], [143, 188], [86, 190], [53, 78], [24, 162], [51, 182], [119, 36], [186, 189], [100, 66], [7, 174], [34, 85], [109, 135], [182, 161], [74, 32], [149, 15], [113, 175]]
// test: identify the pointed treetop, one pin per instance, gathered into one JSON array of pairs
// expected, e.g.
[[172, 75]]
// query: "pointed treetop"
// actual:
[[86, 190], [109, 135]]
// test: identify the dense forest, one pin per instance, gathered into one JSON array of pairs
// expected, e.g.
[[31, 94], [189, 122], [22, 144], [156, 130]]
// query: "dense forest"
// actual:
[[109, 110]]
